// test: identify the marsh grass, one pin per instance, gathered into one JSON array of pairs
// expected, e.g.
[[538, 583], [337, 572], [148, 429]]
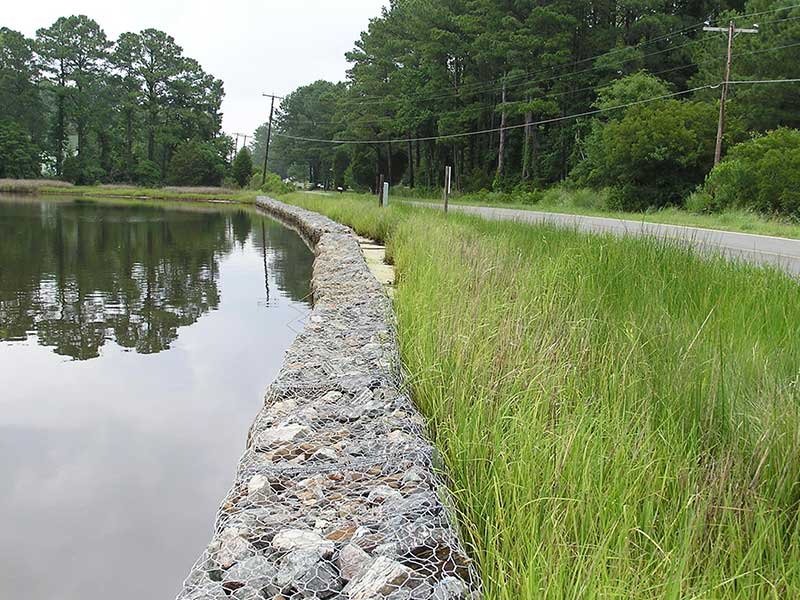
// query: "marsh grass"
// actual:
[[620, 417]]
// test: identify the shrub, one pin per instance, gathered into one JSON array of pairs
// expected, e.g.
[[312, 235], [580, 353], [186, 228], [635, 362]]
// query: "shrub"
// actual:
[[242, 168], [700, 202], [273, 184], [195, 163], [19, 157], [71, 169], [147, 173], [632, 88], [654, 155], [761, 174]]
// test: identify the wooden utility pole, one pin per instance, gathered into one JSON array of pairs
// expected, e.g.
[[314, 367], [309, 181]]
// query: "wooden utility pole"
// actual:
[[269, 134], [380, 191], [732, 31], [236, 145]]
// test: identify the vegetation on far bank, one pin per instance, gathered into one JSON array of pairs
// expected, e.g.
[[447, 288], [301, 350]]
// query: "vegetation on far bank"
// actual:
[[619, 416], [45, 186], [518, 97]]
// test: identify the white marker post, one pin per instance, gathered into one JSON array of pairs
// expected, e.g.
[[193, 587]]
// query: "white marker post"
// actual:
[[385, 198], [448, 174]]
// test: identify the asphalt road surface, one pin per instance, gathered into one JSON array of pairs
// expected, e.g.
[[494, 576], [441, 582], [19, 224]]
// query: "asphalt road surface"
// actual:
[[783, 253]]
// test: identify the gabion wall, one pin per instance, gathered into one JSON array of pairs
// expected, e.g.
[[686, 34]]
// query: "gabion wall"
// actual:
[[338, 495]]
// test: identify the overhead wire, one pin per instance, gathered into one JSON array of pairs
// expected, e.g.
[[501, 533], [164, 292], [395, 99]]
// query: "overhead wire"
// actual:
[[489, 86]]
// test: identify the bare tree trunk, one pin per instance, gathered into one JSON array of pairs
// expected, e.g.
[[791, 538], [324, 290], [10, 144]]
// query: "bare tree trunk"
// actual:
[[389, 162], [410, 164], [419, 163], [526, 154], [501, 150]]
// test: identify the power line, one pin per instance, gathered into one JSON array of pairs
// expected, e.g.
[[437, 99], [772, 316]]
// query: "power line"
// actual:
[[763, 81], [496, 129], [379, 120], [490, 85], [534, 123]]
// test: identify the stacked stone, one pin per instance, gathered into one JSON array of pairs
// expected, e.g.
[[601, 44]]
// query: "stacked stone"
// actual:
[[337, 495]]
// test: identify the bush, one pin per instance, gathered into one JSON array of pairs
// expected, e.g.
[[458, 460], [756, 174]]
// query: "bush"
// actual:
[[700, 202], [761, 174], [19, 157], [195, 163], [147, 173], [242, 168], [273, 184], [654, 155], [563, 196]]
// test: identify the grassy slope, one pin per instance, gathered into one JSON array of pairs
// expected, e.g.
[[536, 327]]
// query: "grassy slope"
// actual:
[[586, 202], [620, 417]]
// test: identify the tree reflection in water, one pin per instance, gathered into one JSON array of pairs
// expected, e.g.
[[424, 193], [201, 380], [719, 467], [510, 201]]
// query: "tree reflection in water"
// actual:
[[76, 274]]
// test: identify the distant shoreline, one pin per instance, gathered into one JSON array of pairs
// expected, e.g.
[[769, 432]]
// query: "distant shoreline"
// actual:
[[27, 186]]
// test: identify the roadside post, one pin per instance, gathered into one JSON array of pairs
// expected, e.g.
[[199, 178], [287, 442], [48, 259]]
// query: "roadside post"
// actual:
[[380, 191], [448, 174], [385, 198]]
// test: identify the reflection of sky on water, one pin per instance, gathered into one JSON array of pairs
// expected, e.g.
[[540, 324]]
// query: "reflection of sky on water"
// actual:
[[113, 468]]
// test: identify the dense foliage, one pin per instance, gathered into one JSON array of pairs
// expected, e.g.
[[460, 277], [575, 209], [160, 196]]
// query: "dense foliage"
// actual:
[[195, 163], [762, 174], [425, 69], [95, 109], [654, 155], [242, 168]]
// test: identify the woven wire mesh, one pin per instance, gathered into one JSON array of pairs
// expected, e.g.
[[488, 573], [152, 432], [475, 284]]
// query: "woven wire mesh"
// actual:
[[338, 495]]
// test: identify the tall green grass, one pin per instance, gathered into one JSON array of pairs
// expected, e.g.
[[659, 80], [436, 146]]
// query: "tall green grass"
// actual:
[[620, 417]]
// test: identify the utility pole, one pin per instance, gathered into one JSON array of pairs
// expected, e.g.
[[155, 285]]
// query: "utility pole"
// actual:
[[732, 31], [269, 135], [236, 146]]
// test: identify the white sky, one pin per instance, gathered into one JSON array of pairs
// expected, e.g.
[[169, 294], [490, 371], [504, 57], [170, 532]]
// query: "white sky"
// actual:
[[270, 46]]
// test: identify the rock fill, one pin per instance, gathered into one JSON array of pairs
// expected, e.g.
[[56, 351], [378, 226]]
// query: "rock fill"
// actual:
[[338, 495]]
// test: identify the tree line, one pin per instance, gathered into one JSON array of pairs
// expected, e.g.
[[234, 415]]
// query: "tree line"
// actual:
[[79, 106], [521, 70]]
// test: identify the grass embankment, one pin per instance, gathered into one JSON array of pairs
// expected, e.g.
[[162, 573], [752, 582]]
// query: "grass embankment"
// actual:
[[592, 203], [45, 186], [620, 417]]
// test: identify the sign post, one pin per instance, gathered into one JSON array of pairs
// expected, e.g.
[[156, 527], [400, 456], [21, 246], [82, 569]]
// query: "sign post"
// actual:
[[448, 174]]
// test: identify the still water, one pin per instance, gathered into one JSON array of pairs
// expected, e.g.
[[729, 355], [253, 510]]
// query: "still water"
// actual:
[[136, 342]]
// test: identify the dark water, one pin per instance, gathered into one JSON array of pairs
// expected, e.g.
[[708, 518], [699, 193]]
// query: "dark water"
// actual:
[[136, 342]]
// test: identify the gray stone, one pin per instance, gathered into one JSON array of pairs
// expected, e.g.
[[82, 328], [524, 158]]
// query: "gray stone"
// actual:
[[383, 577], [352, 561], [308, 573], [256, 571], [231, 548], [383, 493], [328, 454], [299, 539], [451, 588], [247, 592], [280, 434]]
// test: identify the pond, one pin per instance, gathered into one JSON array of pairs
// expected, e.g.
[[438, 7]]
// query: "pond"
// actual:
[[136, 343]]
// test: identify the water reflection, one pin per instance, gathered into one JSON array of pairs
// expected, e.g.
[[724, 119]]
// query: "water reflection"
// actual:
[[78, 274], [113, 468]]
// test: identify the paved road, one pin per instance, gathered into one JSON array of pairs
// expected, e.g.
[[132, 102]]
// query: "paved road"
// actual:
[[781, 252]]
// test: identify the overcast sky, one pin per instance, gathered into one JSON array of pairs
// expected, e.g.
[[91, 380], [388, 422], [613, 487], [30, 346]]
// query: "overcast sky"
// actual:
[[254, 46]]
